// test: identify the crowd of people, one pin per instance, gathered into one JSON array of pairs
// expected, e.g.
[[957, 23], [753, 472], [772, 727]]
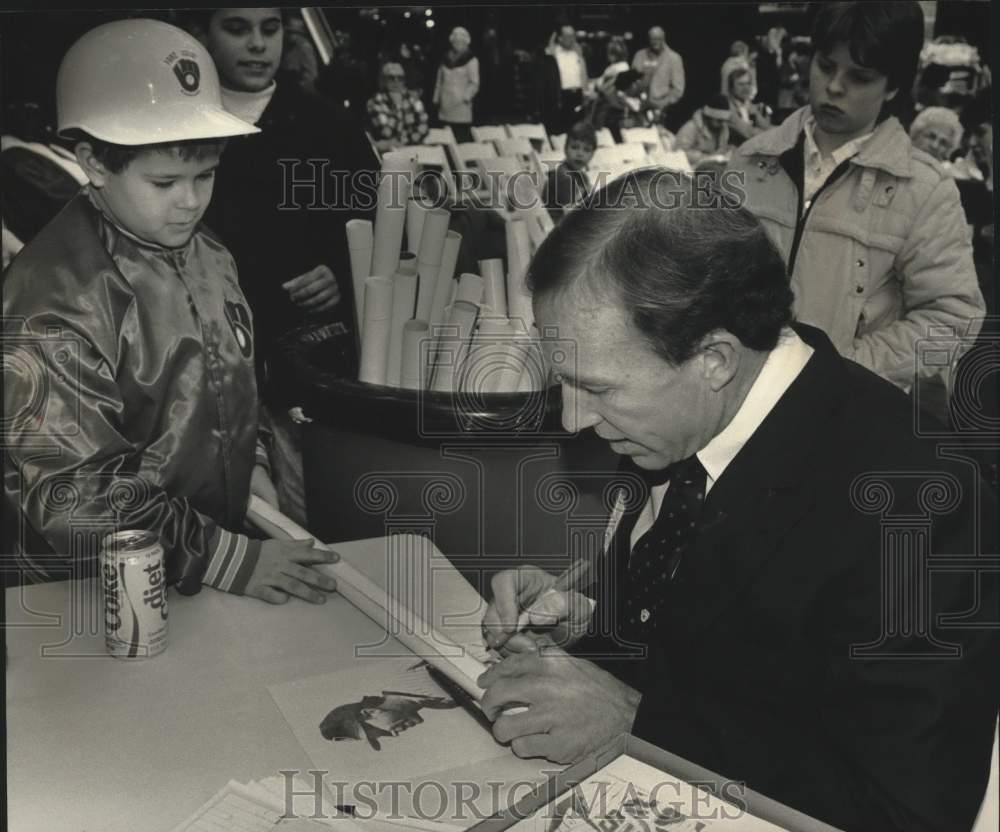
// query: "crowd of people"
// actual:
[[749, 362]]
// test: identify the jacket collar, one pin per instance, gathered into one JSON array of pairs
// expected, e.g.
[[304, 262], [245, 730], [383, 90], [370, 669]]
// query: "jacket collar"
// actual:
[[97, 204], [764, 492], [888, 148]]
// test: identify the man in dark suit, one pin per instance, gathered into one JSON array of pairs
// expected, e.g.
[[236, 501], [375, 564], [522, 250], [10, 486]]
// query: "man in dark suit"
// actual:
[[796, 591]]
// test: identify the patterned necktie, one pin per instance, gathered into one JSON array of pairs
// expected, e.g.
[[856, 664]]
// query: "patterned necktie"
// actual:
[[658, 553]]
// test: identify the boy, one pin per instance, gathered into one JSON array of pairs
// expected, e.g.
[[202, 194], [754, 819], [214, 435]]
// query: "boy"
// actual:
[[872, 231], [132, 402], [567, 184], [289, 255]]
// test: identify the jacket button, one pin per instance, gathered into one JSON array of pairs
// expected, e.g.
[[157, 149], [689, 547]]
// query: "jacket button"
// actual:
[[859, 289], [644, 616], [861, 264]]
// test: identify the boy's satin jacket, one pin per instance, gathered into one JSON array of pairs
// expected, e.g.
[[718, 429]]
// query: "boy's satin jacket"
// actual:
[[130, 400]]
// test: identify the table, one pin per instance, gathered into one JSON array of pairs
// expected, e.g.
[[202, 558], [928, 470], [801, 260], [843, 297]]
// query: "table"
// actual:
[[97, 744]]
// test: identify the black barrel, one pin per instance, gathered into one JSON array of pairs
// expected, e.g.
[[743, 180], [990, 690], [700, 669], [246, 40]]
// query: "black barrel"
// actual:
[[493, 479]]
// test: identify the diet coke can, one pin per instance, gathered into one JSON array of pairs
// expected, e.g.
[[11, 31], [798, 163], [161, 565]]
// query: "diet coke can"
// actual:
[[135, 595]]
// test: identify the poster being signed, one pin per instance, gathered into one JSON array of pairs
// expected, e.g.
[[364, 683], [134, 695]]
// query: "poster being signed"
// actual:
[[381, 719]]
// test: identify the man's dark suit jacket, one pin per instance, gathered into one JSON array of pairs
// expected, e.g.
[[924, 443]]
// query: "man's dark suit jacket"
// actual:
[[750, 671]]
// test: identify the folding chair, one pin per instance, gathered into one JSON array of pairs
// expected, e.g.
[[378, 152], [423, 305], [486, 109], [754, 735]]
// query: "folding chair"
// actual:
[[467, 153], [619, 154], [648, 137], [488, 133], [432, 157], [535, 133], [604, 138], [519, 148], [440, 135]]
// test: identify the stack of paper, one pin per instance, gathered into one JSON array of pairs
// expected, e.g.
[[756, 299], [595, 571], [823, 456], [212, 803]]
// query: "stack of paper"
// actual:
[[260, 806]]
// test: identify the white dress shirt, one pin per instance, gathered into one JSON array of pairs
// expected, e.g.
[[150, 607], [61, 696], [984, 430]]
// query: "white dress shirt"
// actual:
[[782, 367], [818, 167], [572, 75]]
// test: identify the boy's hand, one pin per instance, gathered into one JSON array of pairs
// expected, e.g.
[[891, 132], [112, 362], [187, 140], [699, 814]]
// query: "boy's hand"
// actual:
[[285, 568], [261, 486], [316, 290]]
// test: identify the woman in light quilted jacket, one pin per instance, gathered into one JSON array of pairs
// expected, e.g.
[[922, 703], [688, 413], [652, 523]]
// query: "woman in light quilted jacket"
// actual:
[[872, 229]]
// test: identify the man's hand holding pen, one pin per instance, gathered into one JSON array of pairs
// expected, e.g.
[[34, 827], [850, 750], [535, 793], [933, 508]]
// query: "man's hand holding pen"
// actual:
[[543, 701], [532, 608]]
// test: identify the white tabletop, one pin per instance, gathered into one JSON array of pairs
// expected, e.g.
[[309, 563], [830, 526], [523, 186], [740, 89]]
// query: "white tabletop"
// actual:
[[100, 744]]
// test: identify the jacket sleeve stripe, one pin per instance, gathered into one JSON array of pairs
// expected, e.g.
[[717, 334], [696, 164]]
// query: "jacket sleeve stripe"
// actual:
[[217, 561], [233, 563]]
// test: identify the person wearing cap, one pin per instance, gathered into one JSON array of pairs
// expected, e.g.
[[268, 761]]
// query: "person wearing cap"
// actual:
[[292, 259], [457, 85], [134, 405], [872, 230], [706, 134]]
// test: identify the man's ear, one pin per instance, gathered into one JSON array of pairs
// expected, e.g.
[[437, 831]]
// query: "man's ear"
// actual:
[[721, 353], [96, 172]]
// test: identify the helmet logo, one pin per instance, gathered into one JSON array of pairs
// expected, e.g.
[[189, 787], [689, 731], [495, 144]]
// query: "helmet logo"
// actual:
[[187, 71]]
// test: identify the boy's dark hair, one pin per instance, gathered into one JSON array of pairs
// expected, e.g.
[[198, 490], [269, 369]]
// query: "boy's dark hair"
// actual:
[[584, 132], [680, 268], [886, 35], [117, 157]]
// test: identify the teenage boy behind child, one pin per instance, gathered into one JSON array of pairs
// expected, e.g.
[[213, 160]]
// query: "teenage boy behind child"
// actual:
[[566, 184], [290, 250], [137, 407]]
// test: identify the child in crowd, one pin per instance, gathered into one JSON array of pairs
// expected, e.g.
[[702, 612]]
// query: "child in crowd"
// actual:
[[136, 406], [567, 183], [872, 231]]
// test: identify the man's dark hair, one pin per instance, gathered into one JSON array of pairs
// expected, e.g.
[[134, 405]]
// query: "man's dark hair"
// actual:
[[584, 132], [117, 157], [886, 35], [732, 77], [679, 272]]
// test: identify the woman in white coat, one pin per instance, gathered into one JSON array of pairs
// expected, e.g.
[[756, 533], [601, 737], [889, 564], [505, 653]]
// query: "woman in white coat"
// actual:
[[457, 85]]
